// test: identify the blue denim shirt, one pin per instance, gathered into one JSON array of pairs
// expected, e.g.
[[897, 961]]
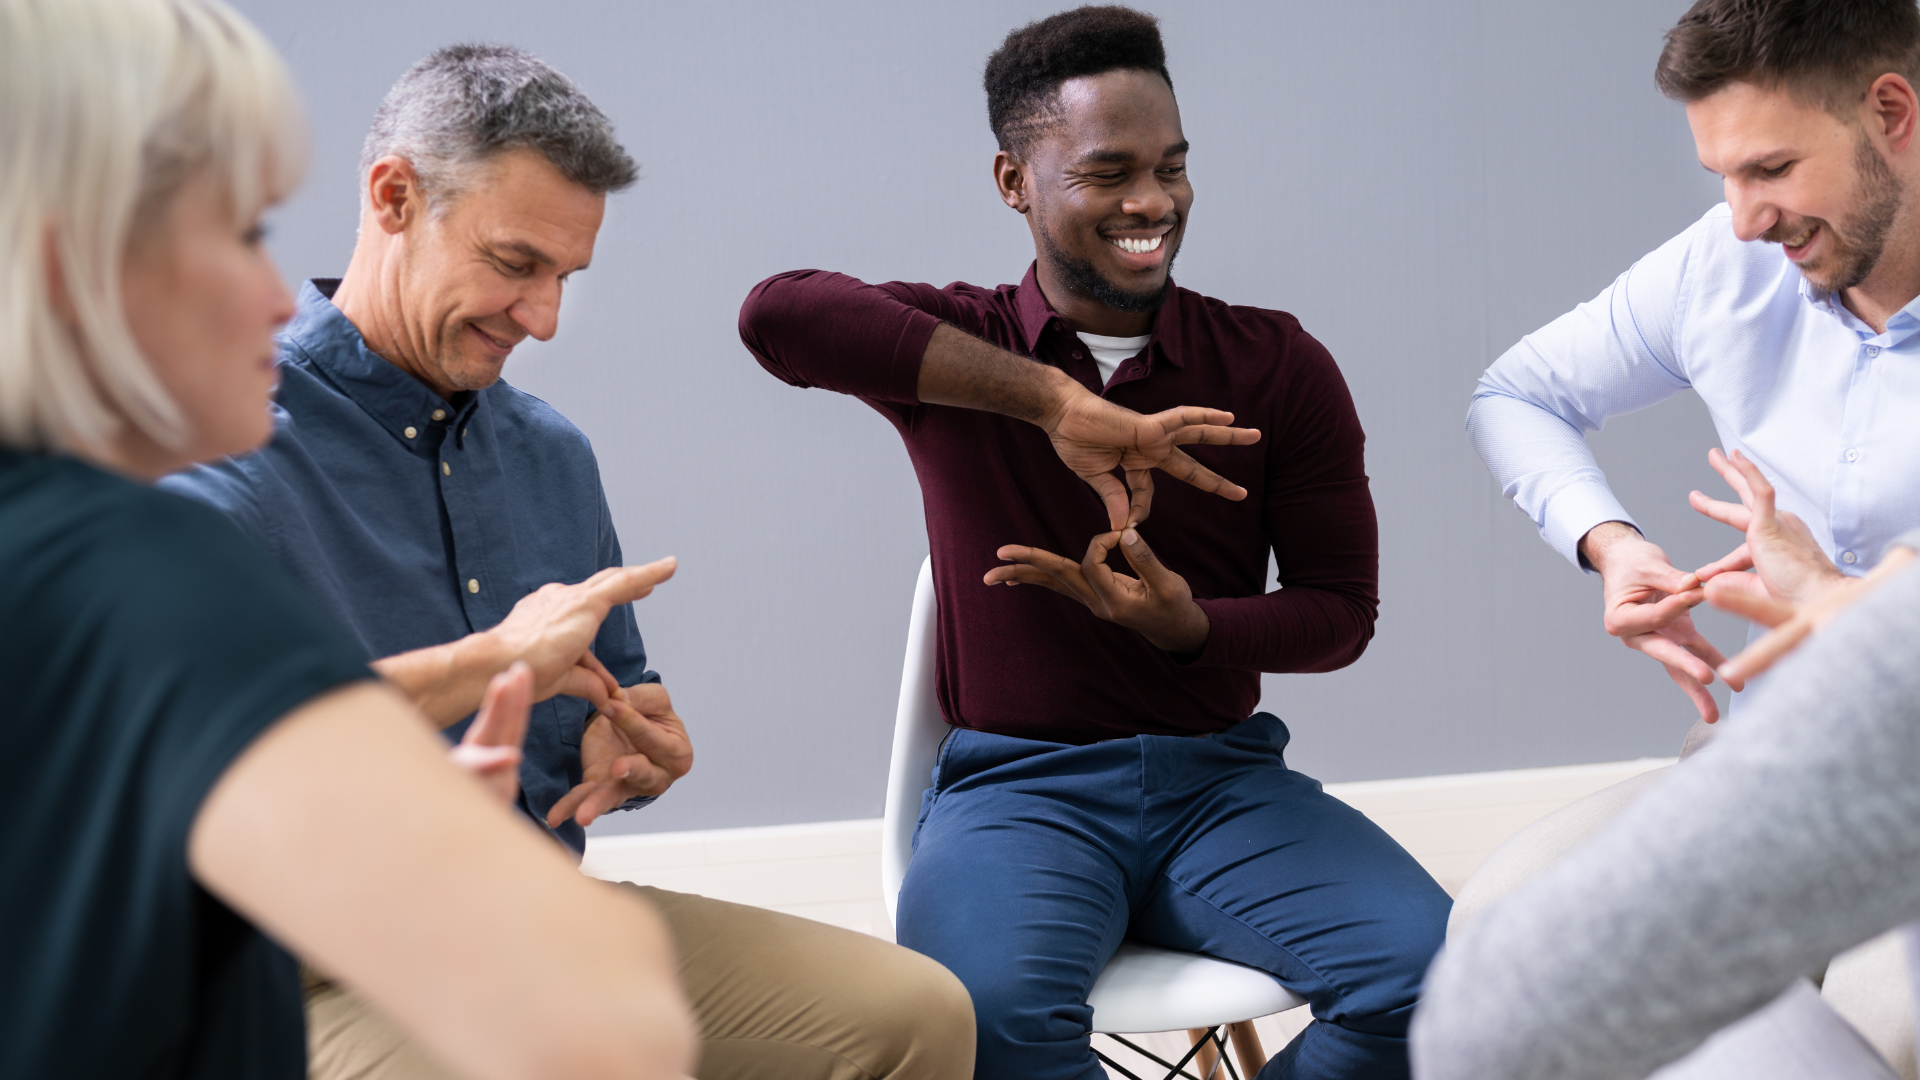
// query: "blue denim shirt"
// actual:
[[417, 521]]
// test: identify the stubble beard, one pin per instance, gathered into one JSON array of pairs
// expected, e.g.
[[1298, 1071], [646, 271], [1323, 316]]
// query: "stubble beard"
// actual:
[[1856, 249], [1082, 279]]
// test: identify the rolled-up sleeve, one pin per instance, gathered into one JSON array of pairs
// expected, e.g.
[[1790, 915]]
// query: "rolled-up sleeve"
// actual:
[[815, 328], [1533, 408]]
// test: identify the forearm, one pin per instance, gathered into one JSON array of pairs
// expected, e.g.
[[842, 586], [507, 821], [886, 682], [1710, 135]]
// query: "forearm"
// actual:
[[1291, 630], [345, 833], [960, 369], [447, 681], [1541, 461]]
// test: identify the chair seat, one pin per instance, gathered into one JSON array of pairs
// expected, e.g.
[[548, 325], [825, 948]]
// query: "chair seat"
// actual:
[[1145, 988]]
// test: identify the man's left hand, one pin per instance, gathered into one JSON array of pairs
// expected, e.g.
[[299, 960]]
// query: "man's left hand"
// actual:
[[1158, 603], [636, 748]]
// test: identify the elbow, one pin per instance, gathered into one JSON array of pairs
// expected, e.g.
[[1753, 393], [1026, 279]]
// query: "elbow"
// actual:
[[1350, 644], [772, 316]]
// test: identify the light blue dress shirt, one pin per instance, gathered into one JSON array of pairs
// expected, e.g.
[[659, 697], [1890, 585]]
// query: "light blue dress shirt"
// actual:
[[1827, 408]]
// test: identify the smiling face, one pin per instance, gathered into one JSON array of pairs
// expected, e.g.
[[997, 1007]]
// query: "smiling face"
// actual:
[[202, 299], [1799, 176], [476, 280], [1106, 196]]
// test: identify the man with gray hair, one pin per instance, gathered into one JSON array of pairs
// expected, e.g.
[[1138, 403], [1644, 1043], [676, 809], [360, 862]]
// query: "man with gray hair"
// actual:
[[458, 525]]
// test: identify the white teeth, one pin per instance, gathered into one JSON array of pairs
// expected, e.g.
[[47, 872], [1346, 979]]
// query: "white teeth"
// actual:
[[1138, 247]]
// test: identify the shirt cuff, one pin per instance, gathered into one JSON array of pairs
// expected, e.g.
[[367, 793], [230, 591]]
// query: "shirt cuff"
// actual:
[[1572, 513], [637, 802], [909, 350]]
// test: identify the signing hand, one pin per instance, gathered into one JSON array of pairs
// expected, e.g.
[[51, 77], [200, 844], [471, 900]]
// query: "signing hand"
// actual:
[[1792, 622], [1795, 589], [1158, 603], [1647, 601], [551, 628], [491, 748], [636, 747], [1094, 437], [1779, 545]]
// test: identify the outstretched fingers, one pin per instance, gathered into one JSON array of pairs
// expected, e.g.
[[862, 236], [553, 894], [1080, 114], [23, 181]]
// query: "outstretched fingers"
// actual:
[[1033, 566], [1181, 467]]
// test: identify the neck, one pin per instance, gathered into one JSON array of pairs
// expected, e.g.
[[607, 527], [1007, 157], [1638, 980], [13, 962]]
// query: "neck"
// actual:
[[134, 456], [368, 297], [1895, 279], [1090, 316]]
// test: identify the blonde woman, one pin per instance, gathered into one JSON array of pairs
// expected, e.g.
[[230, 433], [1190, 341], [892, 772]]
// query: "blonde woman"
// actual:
[[200, 775]]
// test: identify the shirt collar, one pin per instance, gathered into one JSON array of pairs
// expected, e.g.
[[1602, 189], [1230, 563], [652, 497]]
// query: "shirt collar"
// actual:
[[1035, 315], [1903, 325], [322, 333]]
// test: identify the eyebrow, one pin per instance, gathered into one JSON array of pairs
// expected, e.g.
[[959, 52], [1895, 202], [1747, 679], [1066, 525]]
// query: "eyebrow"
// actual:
[[1754, 162], [1121, 157], [529, 252]]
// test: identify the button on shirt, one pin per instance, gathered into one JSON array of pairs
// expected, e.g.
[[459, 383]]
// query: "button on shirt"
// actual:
[[1826, 407], [417, 521]]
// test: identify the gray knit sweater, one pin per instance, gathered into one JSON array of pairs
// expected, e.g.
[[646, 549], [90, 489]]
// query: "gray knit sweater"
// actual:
[[1793, 837]]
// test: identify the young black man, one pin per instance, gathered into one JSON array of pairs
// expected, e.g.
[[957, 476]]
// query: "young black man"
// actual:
[[1104, 778]]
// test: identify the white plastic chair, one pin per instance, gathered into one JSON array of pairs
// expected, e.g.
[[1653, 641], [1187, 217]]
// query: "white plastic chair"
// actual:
[[1143, 988]]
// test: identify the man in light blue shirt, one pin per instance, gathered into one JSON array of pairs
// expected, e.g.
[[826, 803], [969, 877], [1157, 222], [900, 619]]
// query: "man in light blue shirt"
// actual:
[[1806, 356], [1790, 309]]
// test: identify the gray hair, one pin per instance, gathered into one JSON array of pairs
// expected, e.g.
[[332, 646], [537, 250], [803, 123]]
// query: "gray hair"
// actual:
[[465, 104]]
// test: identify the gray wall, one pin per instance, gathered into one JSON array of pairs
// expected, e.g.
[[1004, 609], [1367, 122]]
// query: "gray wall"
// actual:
[[1421, 183]]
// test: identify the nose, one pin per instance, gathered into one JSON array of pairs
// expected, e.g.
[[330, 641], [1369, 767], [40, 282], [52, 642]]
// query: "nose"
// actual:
[[538, 310], [1753, 215], [1148, 199]]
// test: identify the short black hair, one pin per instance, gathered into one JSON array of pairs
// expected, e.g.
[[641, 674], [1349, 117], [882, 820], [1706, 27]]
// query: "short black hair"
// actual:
[[1824, 51], [1024, 75]]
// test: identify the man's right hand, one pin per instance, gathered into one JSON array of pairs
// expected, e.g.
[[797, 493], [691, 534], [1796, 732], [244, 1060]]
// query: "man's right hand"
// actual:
[[551, 630], [1647, 600]]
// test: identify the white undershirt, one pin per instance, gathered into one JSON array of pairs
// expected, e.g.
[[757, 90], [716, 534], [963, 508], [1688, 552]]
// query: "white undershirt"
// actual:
[[1110, 352]]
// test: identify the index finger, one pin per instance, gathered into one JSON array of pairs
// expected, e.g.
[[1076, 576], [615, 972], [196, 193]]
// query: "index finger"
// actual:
[[1181, 467], [625, 584]]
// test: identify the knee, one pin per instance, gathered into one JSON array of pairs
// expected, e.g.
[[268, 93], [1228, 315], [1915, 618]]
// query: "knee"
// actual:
[[1381, 996], [921, 1022]]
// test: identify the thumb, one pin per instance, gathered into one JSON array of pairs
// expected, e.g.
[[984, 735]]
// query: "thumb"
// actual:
[[1144, 562], [503, 712]]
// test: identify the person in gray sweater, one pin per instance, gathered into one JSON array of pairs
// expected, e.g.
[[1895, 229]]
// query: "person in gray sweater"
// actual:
[[1794, 836]]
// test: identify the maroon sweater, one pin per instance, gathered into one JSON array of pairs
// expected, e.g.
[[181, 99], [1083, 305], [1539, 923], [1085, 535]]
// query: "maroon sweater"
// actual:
[[1030, 662]]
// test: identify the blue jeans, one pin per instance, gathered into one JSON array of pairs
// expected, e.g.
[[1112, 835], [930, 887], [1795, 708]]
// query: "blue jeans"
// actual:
[[1032, 860]]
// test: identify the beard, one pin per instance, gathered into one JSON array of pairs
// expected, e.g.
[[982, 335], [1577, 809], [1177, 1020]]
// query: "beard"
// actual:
[[1856, 249], [1081, 279]]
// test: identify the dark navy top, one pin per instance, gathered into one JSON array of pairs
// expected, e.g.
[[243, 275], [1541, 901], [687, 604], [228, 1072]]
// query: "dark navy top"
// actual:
[[416, 520], [144, 644]]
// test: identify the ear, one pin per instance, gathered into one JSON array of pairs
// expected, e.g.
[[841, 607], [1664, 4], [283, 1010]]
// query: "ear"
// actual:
[[1894, 110], [393, 194], [1010, 177]]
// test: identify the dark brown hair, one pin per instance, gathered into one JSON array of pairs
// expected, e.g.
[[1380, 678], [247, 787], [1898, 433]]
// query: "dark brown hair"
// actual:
[[1824, 51], [1025, 73]]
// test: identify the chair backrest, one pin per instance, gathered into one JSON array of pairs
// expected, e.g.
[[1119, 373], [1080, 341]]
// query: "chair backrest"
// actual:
[[918, 728]]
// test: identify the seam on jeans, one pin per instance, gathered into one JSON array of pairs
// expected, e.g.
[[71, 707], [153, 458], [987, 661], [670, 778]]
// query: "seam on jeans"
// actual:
[[863, 1070], [1316, 972]]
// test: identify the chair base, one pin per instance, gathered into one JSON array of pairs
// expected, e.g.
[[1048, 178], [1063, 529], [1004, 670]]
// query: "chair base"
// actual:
[[1207, 1055]]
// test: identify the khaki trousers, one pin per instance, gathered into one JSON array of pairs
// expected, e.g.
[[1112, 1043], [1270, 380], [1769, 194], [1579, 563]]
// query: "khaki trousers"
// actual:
[[777, 997]]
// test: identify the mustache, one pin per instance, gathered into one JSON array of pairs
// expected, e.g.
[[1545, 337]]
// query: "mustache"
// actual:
[[1171, 221], [1781, 233]]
